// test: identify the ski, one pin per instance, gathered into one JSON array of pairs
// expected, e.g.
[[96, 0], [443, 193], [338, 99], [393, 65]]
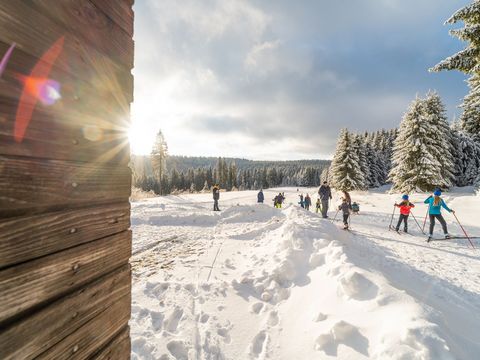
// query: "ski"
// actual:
[[453, 238]]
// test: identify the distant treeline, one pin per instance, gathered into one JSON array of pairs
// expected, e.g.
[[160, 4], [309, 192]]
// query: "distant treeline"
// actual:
[[182, 173]]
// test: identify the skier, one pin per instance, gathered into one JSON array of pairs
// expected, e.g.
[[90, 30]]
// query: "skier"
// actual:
[[318, 206], [405, 208], [216, 197], [260, 196], [345, 207], [307, 202], [435, 204], [325, 195], [302, 203], [280, 199], [275, 201]]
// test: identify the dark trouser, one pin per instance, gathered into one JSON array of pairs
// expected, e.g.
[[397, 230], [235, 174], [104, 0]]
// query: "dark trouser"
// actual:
[[215, 205], [345, 219], [442, 221], [324, 208], [307, 207], [403, 218]]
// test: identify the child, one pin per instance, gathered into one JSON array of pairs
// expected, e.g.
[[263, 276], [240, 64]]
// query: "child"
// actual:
[[318, 206], [345, 207], [435, 212], [302, 202], [307, 202], [405, 208]]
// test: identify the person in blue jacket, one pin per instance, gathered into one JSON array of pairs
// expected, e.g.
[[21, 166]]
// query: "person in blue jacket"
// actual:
[[435, 204], [260, 196]]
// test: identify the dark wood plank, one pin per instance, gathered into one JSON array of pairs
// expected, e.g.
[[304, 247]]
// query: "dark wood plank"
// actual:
[[63, 135], [91, 25], [35, 283], [119, 11], [35, 334], [35, 32], [118, 349], [94, 335], [29, 237], [26, 184]]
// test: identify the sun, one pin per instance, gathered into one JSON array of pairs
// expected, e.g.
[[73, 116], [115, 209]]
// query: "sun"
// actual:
[[141, 138]]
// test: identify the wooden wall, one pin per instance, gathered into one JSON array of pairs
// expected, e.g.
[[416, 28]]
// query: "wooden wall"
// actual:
[[65, 243]]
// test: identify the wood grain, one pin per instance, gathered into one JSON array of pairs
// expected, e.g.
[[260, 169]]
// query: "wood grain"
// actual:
[[29, 237], [94, 335], [34, 283], [35, 334], [118, 349], [119, 11], [26, 184]]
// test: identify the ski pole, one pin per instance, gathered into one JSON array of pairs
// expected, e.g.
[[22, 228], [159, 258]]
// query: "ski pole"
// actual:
[[414, 218], [391, 220], [468, 237], [425, 221], [335, 217]]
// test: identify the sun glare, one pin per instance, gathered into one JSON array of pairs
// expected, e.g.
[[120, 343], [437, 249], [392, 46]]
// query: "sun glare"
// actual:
[[141, 138]]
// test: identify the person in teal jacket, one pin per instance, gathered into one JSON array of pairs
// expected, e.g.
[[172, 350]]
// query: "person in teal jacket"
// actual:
[[435, 204]]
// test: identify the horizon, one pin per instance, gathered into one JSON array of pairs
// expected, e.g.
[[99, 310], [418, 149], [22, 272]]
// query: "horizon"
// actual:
[[273, 81]]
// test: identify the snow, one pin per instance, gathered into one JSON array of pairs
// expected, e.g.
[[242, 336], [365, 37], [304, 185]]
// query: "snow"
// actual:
[[254, 282]]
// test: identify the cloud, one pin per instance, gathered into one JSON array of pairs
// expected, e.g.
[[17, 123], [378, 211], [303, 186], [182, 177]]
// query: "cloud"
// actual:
[[264, 79]]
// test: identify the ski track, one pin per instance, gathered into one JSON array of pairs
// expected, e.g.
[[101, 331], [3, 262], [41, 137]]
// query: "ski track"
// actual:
[[253, 282]]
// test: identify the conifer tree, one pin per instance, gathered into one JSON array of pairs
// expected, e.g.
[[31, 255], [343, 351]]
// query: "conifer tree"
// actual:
[[158, 158], [468, 62], [416, 166], [345, 170], [442, 147]]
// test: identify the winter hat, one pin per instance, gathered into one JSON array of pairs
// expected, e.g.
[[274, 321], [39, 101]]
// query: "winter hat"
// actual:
[[437, 192], [405, 197]]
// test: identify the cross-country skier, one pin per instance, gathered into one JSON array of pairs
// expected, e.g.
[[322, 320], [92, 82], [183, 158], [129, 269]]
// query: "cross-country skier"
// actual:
[[216, 197], [345, 207], [405, 208], [325, 195], [260, 196], [302, 202], [308, 202], [435, 204], [318, 206]]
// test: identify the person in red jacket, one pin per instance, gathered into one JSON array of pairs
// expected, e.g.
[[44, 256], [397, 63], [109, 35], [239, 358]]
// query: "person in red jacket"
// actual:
[[405, 208]]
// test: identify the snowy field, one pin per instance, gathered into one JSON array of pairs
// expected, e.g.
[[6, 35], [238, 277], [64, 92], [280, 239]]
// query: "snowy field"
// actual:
[[254, 282]]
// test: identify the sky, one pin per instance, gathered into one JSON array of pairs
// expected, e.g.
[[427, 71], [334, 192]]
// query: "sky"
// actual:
[[278, 79]]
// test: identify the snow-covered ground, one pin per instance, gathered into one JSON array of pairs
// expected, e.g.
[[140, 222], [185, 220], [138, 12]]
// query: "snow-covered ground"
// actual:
[[254, 282]]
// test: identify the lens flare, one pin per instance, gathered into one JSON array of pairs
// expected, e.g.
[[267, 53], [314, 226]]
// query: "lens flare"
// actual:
[[37, 87], [6, 57]]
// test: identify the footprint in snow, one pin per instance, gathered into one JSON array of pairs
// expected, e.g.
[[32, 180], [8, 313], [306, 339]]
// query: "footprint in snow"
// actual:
[[178, 350], [171, 323], [157, 320], [273, 318], [256, 308], [258, 344]]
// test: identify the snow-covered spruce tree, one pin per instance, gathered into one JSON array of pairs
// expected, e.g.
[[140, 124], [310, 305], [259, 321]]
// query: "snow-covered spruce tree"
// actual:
[[416, 166], [345, 171], [359, 146], [467, 61], [442, 146], [375, 174], [467, 157]]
